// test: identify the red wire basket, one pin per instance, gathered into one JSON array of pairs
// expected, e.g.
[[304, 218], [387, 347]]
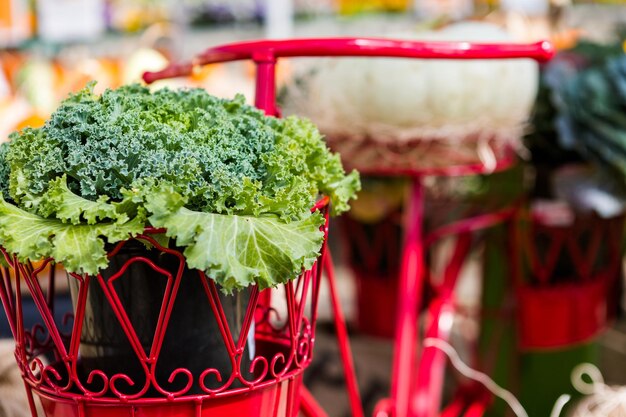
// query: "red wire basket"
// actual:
[[570, 289], [181, 348]]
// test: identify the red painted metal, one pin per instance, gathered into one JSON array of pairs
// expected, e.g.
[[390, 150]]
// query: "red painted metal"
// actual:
[[273, 400], [455, 408], [430, 377], [422, 380], [409, 295], [427, 380], [53, 368], [342, 339], [476, 409], [260, 51], [265, 95], [552, 317], [384, 408], [472, 224], [557, 310], [470, 399]]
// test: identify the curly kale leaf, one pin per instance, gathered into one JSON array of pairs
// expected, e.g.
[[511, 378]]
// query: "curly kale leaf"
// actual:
[[60, 202], [5, 170], [308, 158]]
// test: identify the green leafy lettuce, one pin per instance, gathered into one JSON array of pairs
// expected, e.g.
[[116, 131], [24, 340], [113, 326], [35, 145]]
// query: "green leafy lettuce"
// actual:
[[231, 186]]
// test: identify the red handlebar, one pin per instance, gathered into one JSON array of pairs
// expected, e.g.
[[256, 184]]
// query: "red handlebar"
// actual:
[[269, 50]]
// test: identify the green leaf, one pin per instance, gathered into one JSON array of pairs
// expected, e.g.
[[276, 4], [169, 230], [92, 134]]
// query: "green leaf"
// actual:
[[80, 248], [238, 251], [341, 191], [19, 191], [160, 238], [69, 207]]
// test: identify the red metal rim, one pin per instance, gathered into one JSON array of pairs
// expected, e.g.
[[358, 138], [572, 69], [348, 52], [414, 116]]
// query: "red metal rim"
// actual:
[[51, 395], [269, 50], [280, 400]]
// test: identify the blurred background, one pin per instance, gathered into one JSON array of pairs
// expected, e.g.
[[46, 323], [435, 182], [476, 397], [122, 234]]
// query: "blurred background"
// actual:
[[50, 48], [564, 276]]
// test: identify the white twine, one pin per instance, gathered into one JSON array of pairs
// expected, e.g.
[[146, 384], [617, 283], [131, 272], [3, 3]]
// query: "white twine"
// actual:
[[559, 405], [489, 383], [600, 399], [477, 376]]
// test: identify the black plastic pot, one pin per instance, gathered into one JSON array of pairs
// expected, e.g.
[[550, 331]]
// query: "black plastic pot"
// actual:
[[192, 340]]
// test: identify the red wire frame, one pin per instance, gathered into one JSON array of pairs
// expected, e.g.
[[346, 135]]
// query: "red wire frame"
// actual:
[[572, 271], [410, 395], [49, 359]]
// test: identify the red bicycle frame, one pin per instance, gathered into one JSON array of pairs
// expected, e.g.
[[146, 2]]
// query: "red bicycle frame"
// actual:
[[416, 387]]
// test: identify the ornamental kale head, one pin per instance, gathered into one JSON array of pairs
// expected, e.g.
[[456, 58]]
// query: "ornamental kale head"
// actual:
[[221, 155]]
